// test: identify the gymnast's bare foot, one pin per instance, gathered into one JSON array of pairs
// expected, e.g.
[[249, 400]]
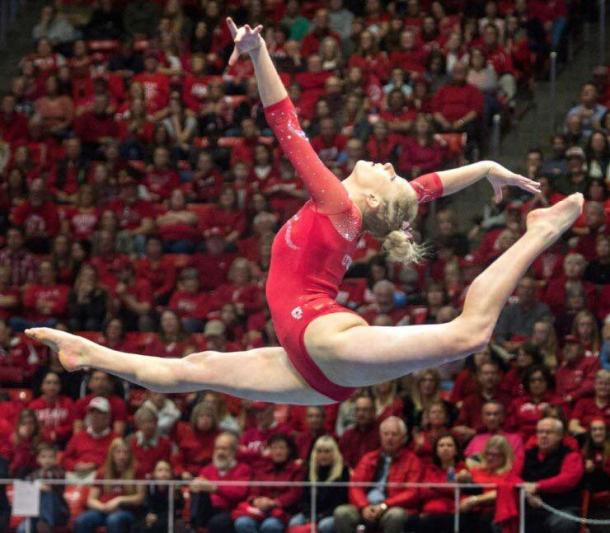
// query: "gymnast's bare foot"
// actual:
[[555, 220], [71, 349]]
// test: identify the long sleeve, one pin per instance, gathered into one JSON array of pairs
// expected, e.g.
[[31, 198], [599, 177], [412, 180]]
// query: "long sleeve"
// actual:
[[326, 190], [427, 187], [572, 470]]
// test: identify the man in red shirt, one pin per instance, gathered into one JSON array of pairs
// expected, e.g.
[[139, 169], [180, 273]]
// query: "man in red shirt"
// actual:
[[457, 105], [38, 217], [363, 437], [100, 385], [384, 304], [161, 179], [385, 507], [44, 302], [147, 445], [575, 376], [488, 381], [158, 269], [155, 84], [87, 449], [132, 300], [97, 126], [189, 302], [552, 473], [17, 259], [319, 30], [211, 504], [329, 145]]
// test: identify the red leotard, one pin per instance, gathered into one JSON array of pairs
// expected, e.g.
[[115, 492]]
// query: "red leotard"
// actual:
[[313, 250]]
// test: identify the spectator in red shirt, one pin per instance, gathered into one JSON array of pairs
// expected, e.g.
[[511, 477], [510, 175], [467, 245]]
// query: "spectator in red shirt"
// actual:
[[574, 266], [161, 179], [382, 506], [587, 409], [39, 218], [44, 302], [155, 84], [329, 144], [132, 300], [363, 436], [211, 504], [421, 153], [87, 449], [20, 263], [225, 217], [314, 428], [13, 125], [458, 106], [240, 289], [171, 339], [409, 56], [81, 221], [147, 446], [19, 449], [18, 358], [269, 508], [438, 504], [158, 269], [382, 145], [253, 442], [10, 296], [435, 422], [97, 126], [195, 441], [54, 410], [113, 505], [318, 30], [369, 58], [399, 114], [488, 380], [576, 374], [100, 385], [552, 472], [206, 180], [189, 302], [54, 108], [525, 411]]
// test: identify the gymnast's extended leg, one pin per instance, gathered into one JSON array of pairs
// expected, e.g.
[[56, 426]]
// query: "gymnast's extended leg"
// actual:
[[363, 355], [258, 374]]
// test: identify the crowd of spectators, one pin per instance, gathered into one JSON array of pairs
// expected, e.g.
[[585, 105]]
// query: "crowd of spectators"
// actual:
[[140, 191]]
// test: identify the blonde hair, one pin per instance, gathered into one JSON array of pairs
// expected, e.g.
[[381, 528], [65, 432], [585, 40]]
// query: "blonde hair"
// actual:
[[500, 442], [112, 472], [337, 468], [415, 393]]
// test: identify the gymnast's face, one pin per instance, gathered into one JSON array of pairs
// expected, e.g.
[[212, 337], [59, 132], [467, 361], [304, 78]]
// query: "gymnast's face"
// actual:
[[381, 181]]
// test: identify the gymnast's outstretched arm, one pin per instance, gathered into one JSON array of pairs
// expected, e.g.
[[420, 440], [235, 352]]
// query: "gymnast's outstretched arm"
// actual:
[[457, 179], [325, 188]]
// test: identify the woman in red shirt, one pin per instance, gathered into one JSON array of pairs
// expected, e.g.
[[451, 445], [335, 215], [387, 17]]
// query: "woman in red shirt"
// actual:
[[369, 58], [172, 340], [113, 505], [596, 454], [422, 152], [438, 504], [387, 401], [435, 422], [54, 410], [20, 447]]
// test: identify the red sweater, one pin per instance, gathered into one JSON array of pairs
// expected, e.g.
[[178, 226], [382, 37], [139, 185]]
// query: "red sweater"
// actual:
[[586, 410], [226, 498], [85, 448], [147, 454], [194, 449], [56, 295], [405, 468]]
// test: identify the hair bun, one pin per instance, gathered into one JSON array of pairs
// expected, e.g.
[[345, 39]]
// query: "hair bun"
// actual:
[[402, 249]]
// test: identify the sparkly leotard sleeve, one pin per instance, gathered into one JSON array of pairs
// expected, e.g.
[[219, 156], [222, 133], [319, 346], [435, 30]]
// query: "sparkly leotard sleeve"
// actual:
[[327, 193]]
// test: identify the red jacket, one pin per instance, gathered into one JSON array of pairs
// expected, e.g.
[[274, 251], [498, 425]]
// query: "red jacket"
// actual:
[[83, 447], [437, 500], [226, 497], [405, 468]]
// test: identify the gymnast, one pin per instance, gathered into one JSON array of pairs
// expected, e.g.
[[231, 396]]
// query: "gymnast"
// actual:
[[327, 350]]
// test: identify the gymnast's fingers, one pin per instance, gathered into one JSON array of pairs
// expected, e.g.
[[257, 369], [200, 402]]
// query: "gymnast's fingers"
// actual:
[[234, 57], [232, 27], [258, 29]]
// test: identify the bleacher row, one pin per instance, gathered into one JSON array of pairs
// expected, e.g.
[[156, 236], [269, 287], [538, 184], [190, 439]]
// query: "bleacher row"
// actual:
[[141, 189]]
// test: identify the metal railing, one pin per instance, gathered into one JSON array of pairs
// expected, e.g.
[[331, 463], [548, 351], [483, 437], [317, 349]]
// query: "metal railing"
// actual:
[[313, 487]]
